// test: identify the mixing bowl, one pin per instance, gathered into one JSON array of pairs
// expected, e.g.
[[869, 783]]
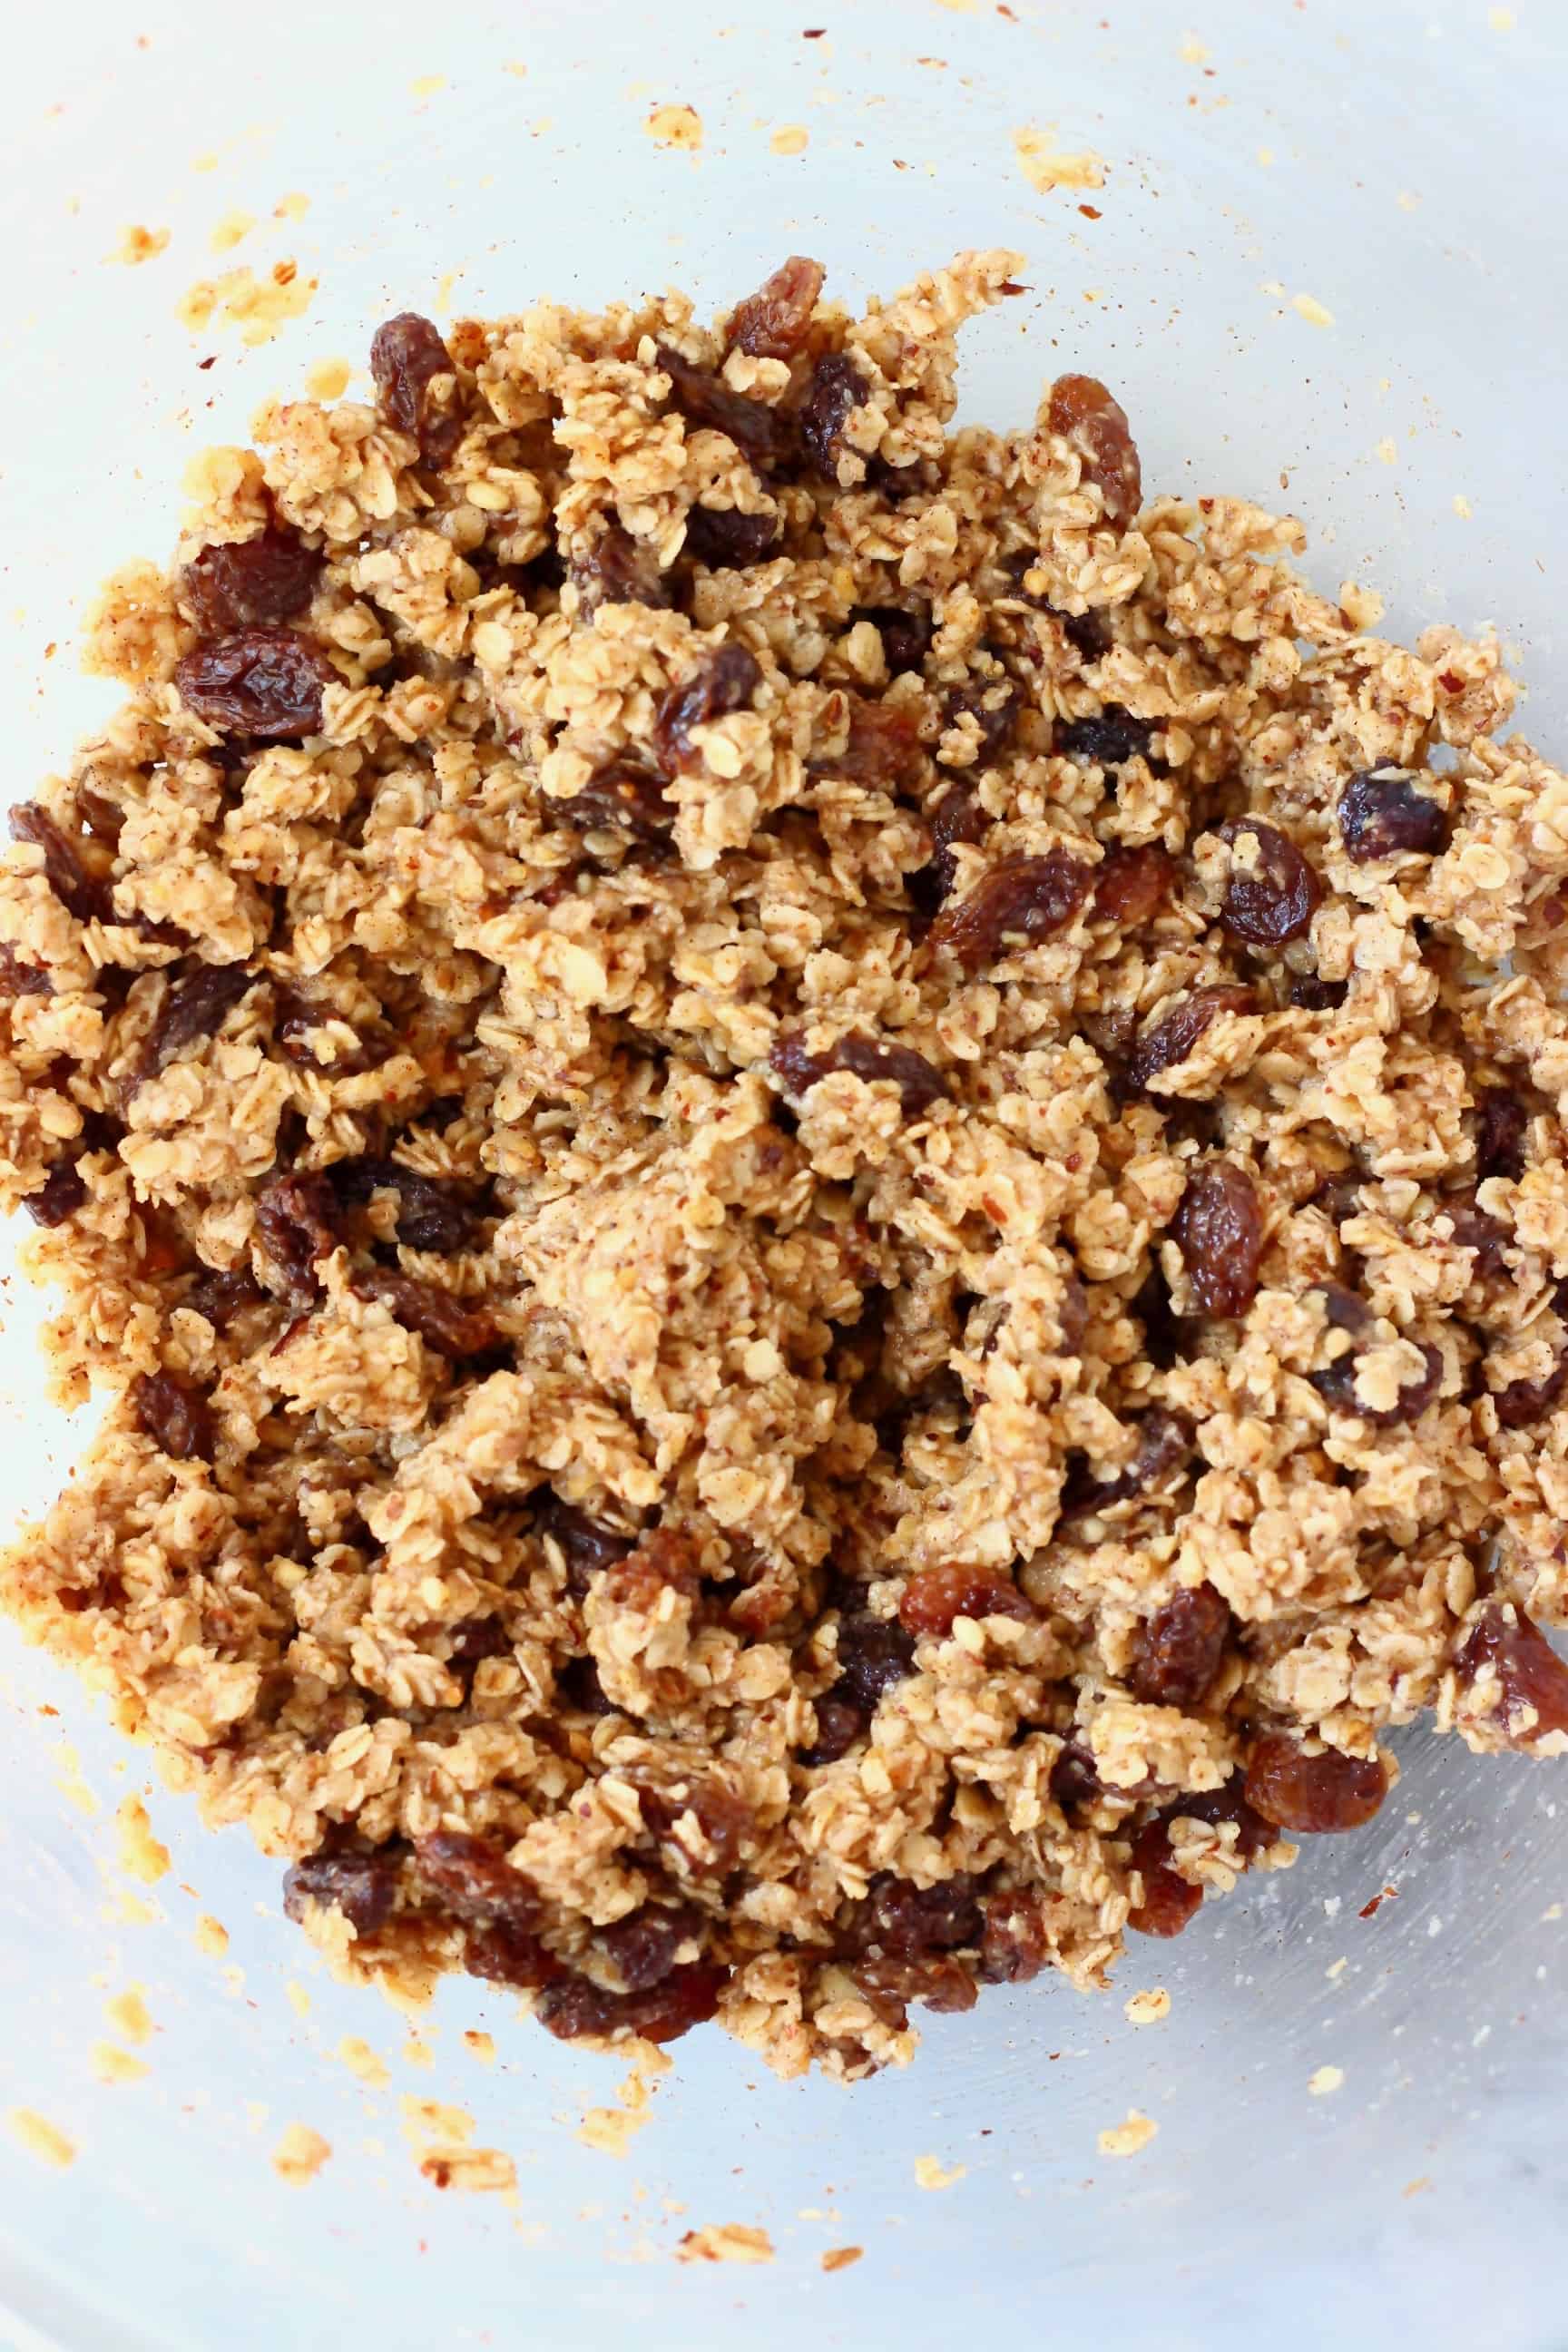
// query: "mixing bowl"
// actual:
[[1323, 270]]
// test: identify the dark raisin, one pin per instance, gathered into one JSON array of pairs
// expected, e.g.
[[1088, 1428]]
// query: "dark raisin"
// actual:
[[1164, 1444], [19, 979], [1095, 426], [295, 1017], [1525, 1403], [839, 1724], [1163, 1341], [993, 704], [727, 540], [899, 1921], [296, 1224], [724, 1822], [1013, 1946], [1254, 1835], [1312, 1795], [706, 403], [60, 1195], [661, 1558], [175, 1415], [220, 1294], [870, 1058], [1075, 1778], [883, 743], [1169, 1903], [1178, 1651], [1130, 886], [1381, 814], [1336, 1382], [874, 1653], [578, 1685], [1173, 1036], [194, 1005], [1530, 1679], [836, 387], [906, 637], [573, 2010], [1218, 1228], [360, 1882], [419, 384], [454, 1325], [773, 323], [620, 569], [1110, 739], [641, 1948], [510, 1955], [938, 1981], [1016, 903], [1315, 994], [474, 1880], [935, 1596], [249, 584], [104, 818], [723, 681], [1088, 633], [1476, 1229], [958, 816], [621, 796], [263, 682], [81, 891], [1274, 898], [586, 1546], [432, 1212], [478, 1638], [1501, 1120]]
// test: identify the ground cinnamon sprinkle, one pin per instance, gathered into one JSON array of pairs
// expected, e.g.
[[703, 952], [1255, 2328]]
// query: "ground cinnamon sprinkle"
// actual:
[[822, 1247]]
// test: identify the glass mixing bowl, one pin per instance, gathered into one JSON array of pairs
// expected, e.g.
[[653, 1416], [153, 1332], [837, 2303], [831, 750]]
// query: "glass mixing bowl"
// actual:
[[1392, 165]]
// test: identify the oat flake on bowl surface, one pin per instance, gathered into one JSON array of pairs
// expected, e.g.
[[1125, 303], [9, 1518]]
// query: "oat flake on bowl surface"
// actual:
[[758, 1114]]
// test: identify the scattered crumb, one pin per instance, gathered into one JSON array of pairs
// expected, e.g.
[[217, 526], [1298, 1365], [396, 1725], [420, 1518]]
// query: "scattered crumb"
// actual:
[[141, 1854], [362, 2060], [210, 1936], [138, 245], [1502, 20], [128, 2015], [929, 2173], [1387, 452], [481, 2046], [611, 2130], [427, 85], [476, 2169], [234, 1978], [1552, 1911], [300, 2154], [130, 1910], [727, 2242], [434, 2119], [292, 206], [959, 7], [205, 163], [41, 2137], [416, 2053], [1308, 307], [838, 2258], [327, 379], [256, 2114], [231, 230], [69, 1782], [298, 1999], [444, 286], [257, 306], [675, 126], [1326, 2079], [112, 2064], [1406, 200], [1461, 505], [515, 66], [1130, 2137], [1193, 52], [1416, 2188], [1045, 168], [790, 139], [1336, 1969], [1147, 2008], [1266, 155]]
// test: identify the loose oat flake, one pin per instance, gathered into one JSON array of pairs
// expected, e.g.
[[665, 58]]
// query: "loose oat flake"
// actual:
[[725, 2241], [1129, 2138], [757, 1115]]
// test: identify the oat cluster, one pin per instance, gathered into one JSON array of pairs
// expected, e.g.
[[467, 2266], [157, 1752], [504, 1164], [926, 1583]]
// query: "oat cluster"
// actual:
[[816, 1168]]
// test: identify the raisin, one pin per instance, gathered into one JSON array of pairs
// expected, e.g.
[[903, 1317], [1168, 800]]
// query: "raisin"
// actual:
[[175, 1416], [1013, 1946], [478, 1638], [869, 1058], [957, 817], [1172, 1038], [1525, 1403], [662, 1558], [1381, 814], [773, 323], [360, 1882], [295, 1016], [249, 584], [1476, 1229], [220, 1294], [432, 1212], [419, 384], [1075, 1778], [620, 569], [1088, 633], [883, 743], [839, 1724], [578, 1685], [724, 1822], [1095, 426], [899, 1921], [19, 979], [621, 796], [938, 1981], [1312, 1795], [935, 1596], [1130, 886], [1108, 740], [263, 682], [1254, 1835], [82, 892], [1274, 899], [1169, 1903], [510, 1955], [641, 1948], [1164, 1444], [993, 704], [1315, 994], [60, 1195], [727, 540], [724, 681], [194, 1005], [586, 1546], [573, 2009], [906, 637], [1528, 1673], [1218, 1228], [706, 401], [1500, 1123], [1018, 902], [296, 1224], [104, 818], [450, 1324], [874, 1653], [838, 386], [474, 1880], [1178, 1651], [1344, 1311]]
